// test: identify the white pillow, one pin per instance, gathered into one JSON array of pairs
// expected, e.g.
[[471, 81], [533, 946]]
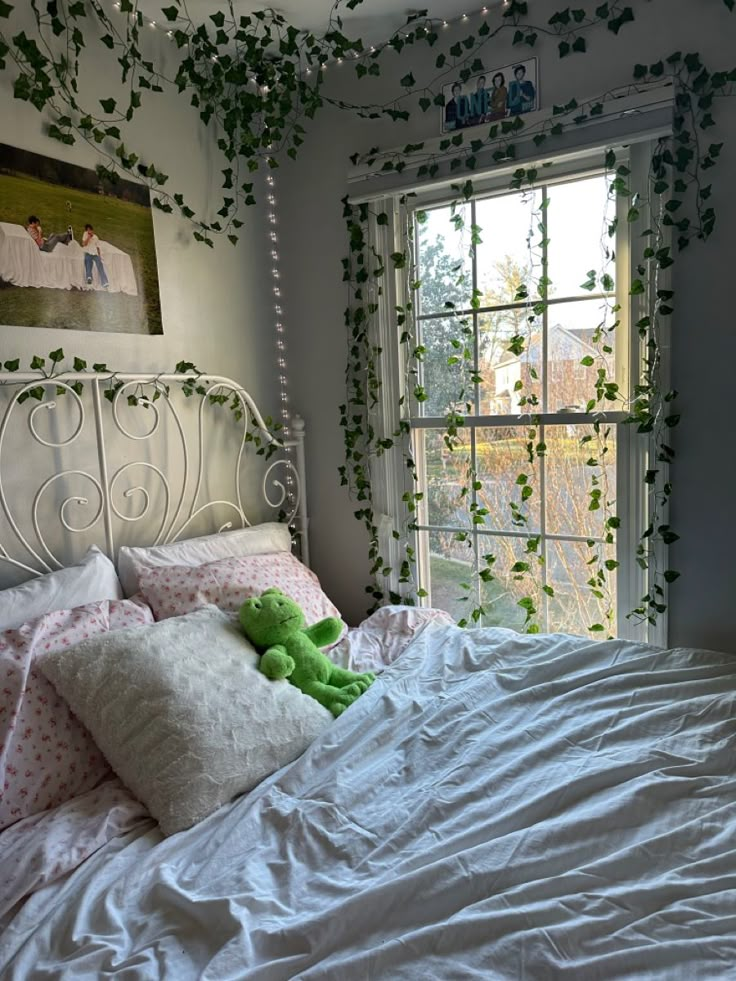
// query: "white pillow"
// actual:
[[182, 713], [268, 537], [93, 580]]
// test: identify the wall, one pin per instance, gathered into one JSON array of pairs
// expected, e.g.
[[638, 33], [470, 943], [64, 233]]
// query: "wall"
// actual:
[[215, 308], [217, 304], [704, 342]]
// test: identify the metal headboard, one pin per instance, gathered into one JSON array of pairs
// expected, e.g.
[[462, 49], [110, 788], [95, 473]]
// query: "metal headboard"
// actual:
[[99, 430]]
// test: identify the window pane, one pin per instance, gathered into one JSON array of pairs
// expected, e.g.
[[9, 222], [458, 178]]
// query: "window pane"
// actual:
[[569, 478], [510, 585], [576, 332], [445, 475], [574, 609], [504, 369], [444, 265], [501, 462], [449, 565], [446, 385], [578, 216], [509, 252]]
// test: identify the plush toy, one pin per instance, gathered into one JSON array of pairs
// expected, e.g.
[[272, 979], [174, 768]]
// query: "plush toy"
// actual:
[[274, 623]]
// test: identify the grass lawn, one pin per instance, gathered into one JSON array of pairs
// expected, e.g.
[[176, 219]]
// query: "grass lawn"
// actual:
[[446, 593], [124, 224]]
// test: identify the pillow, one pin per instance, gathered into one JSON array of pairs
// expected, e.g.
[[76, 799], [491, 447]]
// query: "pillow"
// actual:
[[173, 591], [46, 755], [268, 537], [183, 714], [91, 581]]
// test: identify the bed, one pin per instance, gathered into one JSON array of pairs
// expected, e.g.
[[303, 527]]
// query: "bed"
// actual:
[[494, 806]]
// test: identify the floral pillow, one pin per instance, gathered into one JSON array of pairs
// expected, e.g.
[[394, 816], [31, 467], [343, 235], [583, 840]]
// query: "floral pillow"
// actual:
[[175, 590], [46, 755]]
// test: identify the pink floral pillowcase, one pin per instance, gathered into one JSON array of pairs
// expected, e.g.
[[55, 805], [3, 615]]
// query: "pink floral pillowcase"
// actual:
[[46, 755], [172, 591]]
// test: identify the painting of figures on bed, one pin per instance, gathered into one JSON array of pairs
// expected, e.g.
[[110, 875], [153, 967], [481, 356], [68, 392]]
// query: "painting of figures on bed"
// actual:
[[77, 249]]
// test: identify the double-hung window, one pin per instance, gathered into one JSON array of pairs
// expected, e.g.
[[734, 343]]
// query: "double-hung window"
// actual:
[[525, 326]]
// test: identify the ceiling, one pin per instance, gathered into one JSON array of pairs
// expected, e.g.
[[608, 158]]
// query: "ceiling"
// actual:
[[373, 20]]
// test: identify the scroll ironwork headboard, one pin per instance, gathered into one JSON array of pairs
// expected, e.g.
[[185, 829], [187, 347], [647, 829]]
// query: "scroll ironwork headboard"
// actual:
[[136, 458]]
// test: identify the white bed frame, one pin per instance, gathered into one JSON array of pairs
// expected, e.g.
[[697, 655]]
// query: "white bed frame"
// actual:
[[79, 428]]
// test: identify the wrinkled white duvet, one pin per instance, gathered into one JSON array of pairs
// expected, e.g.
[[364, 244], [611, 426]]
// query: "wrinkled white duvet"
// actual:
[[495, 806]]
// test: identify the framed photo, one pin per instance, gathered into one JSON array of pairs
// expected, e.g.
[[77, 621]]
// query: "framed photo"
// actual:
[[500, 93], [77, 249]]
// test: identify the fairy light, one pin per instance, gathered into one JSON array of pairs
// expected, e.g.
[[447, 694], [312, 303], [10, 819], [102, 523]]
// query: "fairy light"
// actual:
[[484, 11], [281, 355], [169, 33]]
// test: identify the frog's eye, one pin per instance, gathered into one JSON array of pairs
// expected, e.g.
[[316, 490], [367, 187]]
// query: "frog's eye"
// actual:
[[256, 604]]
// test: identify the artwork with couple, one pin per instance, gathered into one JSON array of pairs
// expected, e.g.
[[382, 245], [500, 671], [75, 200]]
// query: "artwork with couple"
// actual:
[[498, 94], [77, 248]]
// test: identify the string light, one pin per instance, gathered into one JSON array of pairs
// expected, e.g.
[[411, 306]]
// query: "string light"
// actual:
[[462, 18], [483, 12], [281, 358]]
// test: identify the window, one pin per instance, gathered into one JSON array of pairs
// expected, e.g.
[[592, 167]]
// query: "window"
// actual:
[[522, 372]]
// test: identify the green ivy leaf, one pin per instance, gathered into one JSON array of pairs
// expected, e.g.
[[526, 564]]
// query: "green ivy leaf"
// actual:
[[5, 8], [108, 105]]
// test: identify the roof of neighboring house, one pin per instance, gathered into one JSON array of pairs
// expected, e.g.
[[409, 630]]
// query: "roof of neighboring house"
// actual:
[[563, 345]]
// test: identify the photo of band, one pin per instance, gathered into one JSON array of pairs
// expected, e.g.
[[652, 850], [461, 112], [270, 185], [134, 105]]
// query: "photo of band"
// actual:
[[506, 92]]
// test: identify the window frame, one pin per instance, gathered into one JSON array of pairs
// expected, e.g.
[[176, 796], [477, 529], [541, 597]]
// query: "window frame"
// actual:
[[633, 451]]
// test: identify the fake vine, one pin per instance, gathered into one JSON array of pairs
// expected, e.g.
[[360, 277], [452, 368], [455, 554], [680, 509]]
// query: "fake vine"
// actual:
[[677, 197], [145, 394], [255, 80]]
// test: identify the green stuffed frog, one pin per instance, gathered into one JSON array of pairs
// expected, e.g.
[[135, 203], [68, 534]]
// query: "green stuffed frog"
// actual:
[[274, 623]]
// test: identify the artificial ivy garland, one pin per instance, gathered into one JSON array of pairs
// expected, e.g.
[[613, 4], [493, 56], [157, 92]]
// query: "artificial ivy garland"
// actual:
[[258, 81], [678, 196], [145, 394]]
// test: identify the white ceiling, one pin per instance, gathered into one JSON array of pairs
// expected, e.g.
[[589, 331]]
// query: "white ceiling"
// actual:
[[373, 20]]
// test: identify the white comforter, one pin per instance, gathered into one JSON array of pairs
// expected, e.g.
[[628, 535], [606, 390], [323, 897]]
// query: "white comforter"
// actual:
[[496, 807]]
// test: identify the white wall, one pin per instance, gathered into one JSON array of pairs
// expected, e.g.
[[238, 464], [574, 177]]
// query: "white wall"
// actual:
[[215, 303], [704, 339]]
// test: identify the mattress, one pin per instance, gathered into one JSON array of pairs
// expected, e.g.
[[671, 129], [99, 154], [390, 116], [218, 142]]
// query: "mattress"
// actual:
[[495, 806]]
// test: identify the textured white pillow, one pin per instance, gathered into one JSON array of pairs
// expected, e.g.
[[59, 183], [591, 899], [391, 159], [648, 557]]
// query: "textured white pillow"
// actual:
[[182, 713], [268, 537], [93, 580]]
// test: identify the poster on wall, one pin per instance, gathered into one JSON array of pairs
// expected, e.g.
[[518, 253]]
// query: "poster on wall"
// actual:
[[501, 93], [77, 250]]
